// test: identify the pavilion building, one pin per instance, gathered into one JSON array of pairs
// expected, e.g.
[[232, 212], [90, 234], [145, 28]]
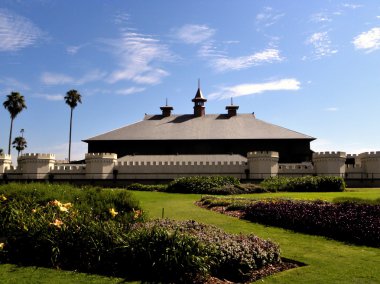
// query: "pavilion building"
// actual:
[[230, 133]]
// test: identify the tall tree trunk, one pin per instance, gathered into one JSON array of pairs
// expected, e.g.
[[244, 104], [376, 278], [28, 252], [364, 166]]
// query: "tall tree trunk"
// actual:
[[10, 137], [71, 124]]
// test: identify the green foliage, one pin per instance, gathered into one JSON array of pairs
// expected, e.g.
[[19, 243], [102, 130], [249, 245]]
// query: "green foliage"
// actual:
[[159, 255], [228, 256], [304, 184], [203, 185], [147, 187], [95, 200], [83, 233]]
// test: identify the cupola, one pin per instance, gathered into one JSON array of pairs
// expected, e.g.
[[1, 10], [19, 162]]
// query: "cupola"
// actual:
[[232, 109], [199, 100], [166, 110]]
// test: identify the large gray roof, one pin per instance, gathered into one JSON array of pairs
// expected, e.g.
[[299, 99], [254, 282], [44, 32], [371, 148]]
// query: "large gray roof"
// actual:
[[211, 126]]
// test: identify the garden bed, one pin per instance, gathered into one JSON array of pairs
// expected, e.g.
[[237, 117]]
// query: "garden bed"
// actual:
[[353, 222], [103, 231]]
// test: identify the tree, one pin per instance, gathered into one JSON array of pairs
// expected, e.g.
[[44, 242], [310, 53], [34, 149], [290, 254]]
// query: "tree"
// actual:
[[19, 144], [1, 151], [14, 103], [72, 98]]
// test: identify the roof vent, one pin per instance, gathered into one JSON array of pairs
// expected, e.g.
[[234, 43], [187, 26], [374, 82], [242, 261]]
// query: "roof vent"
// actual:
[[166, 110], [232, 109]]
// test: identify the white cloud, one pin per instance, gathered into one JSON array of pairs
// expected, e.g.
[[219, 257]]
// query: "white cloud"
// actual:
[[322, 45], [12, 84], [268, 17], [243, 62], [50, 97], [49, 78], [56, 79], [16, 32], [129, 91], [289, 84], [138, 56], [320, 18], [351, 6], [195, 33], [369, 40], [331, 109], [74, 49]]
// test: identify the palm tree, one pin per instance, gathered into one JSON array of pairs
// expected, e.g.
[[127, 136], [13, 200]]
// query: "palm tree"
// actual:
[[20, 144], [14, 103], [72, 98]]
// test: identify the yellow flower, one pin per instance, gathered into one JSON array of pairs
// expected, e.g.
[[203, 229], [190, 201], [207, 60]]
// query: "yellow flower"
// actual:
[[34, 210], [2, 246], [63, 209], [67, 205], [2, 197], [55, 203], [113, 212], [58, 223]]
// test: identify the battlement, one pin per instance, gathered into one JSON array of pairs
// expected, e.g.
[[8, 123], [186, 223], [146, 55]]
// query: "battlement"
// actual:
[[5, 157], [329, 154], [263, 154], [352, 156], [37, 156], [89, 156], [370, 154]]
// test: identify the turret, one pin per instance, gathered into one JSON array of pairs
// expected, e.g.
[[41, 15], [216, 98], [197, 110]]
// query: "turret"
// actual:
[[199, 100]]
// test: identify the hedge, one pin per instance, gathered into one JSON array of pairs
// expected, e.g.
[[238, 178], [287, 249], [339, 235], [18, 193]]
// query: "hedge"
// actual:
[[304, 184]]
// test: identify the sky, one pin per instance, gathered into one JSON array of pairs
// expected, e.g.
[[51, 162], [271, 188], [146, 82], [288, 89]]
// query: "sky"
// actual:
[[309, 66]]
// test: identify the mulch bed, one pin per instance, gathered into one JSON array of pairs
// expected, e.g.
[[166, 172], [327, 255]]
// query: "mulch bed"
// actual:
[[259, 273]]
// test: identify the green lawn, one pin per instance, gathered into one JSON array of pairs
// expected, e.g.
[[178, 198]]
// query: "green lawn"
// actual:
[[327, 261]]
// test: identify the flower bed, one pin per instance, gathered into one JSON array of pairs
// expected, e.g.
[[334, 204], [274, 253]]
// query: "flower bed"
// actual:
[[101, 233], [358, 223]]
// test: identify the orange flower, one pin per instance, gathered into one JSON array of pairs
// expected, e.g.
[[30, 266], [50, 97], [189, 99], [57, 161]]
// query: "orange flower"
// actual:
[[137, 213]]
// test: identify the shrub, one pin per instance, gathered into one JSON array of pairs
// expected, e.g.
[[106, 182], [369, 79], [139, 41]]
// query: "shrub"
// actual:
[[147, 187], [348, 221], [202, 184], [232, 257], [61, 235], [159, 255], [304, 184]]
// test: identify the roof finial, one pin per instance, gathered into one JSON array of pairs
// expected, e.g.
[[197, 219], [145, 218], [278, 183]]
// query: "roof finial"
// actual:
[[199, 83], [166, 101], [232, 102]]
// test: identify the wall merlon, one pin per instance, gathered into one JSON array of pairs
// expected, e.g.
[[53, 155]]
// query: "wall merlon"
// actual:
[[261, 154], [37, 156], [100, 156], [328, 154]]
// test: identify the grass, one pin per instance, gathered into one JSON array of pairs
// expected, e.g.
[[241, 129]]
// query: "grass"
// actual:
[[10, 274], [327, 261]]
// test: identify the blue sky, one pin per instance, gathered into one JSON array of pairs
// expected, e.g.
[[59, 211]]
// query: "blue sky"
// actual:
[[310, 66]]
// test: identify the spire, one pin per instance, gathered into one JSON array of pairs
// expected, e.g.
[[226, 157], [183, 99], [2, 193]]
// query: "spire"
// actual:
[[199, 100]]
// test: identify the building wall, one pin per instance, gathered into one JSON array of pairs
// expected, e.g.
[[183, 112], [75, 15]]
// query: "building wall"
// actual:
[[290, 150], [257, 165]]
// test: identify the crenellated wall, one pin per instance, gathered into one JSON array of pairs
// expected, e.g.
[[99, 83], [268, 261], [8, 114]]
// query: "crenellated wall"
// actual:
[[262, 164], [329, 163], [257, 165]]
